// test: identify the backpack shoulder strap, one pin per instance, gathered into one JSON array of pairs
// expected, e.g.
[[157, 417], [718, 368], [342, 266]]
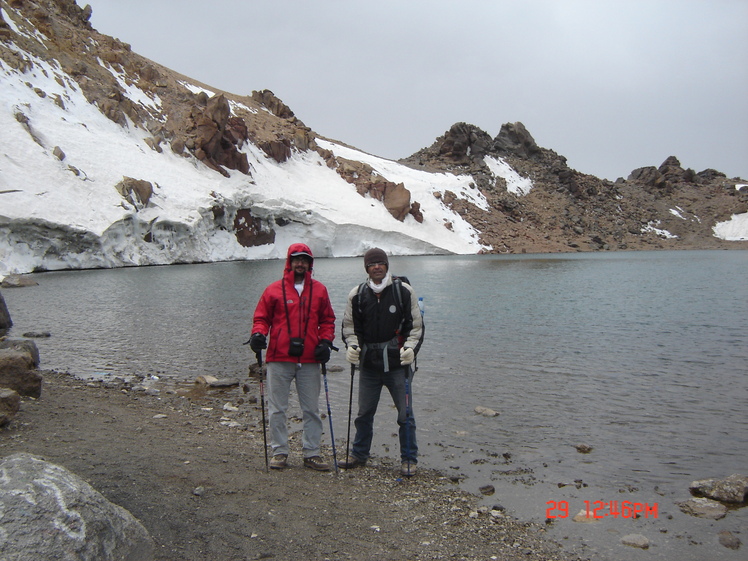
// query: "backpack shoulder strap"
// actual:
[[397, 285], [360, 296]]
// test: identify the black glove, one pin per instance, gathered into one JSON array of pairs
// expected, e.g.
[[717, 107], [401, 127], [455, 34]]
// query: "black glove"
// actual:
[[258, 342], [322, 351]]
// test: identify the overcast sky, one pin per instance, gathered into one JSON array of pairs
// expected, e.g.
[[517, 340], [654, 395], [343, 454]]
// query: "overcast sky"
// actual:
[[613, 85]]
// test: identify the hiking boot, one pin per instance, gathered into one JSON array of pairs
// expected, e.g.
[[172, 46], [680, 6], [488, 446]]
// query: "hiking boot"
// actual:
[[316, 463], [279, 461], [352, 462], [408, 469]]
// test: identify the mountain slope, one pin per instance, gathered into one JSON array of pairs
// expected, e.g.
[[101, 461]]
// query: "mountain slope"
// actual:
[[109, 159]]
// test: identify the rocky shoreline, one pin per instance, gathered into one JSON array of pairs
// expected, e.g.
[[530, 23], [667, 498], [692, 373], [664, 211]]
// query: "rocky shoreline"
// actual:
[[188, 464]]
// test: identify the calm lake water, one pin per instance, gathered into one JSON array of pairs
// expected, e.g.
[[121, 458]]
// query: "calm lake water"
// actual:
[[641, 355]]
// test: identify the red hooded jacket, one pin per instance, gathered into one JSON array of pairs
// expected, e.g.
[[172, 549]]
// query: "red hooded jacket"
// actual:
[[309, 315]]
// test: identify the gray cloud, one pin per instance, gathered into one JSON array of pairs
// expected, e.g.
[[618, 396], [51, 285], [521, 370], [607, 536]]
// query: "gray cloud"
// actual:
[[611, 85]]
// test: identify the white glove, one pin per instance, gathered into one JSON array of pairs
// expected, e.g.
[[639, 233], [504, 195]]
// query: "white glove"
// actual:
[[353, 354], [407, 356]]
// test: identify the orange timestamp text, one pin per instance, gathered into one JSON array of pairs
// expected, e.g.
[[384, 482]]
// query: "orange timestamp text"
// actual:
[[604, 509]]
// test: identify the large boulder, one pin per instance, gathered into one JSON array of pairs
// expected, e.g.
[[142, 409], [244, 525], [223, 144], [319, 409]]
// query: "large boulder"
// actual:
[[48, 513], [732, 489], [5, 321], [17, 373], [23, 345], [395, 196], [702, 507]]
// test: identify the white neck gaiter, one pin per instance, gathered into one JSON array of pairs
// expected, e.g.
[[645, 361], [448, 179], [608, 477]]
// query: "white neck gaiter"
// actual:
[[377, 288]]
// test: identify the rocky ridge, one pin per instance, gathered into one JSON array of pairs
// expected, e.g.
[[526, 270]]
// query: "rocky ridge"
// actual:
[[656, 207], [567, 210]]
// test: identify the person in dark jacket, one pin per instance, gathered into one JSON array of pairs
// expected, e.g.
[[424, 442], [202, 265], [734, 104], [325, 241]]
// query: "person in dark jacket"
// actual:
[[383, 332], [296, 313]]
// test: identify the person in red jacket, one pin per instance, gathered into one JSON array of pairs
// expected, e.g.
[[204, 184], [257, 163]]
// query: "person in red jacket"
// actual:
[[295, 322]]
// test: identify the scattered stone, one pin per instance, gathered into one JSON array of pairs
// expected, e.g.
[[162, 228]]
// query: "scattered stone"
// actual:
[[159, 416], [486, 412], [147, 390], [49, 513], [704, 508], [729, 540], [582, 516], [198, 491], [37, 334], [213, 382], [635, 540], [230, 407], [487, 490], [732, 489], [583, 448], [224, 383]]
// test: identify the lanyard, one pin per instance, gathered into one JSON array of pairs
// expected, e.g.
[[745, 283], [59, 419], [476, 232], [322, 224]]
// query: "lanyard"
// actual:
[[308, 313]]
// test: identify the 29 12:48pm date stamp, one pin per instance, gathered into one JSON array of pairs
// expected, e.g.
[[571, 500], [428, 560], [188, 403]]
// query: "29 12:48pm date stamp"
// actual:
[[603, 509]]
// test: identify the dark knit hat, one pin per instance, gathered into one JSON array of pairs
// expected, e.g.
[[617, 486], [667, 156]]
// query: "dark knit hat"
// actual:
[[375, 255]]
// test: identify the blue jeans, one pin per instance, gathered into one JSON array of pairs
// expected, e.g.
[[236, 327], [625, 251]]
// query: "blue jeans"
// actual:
[[370, 384], [307, 377]]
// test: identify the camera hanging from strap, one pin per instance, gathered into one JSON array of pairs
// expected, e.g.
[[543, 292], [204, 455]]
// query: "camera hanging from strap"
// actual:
[[296, 344]]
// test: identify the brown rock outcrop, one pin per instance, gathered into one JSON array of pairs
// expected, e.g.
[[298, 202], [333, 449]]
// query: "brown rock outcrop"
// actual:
[[137, 192], [394, 196], [216, 136], [250, 230], [267, 99]]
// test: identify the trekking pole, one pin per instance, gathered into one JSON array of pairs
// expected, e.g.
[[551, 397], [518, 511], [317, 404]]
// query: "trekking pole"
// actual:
[[408, 409], [258, 354], [329, 416], [408, 413], [350, 406]]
